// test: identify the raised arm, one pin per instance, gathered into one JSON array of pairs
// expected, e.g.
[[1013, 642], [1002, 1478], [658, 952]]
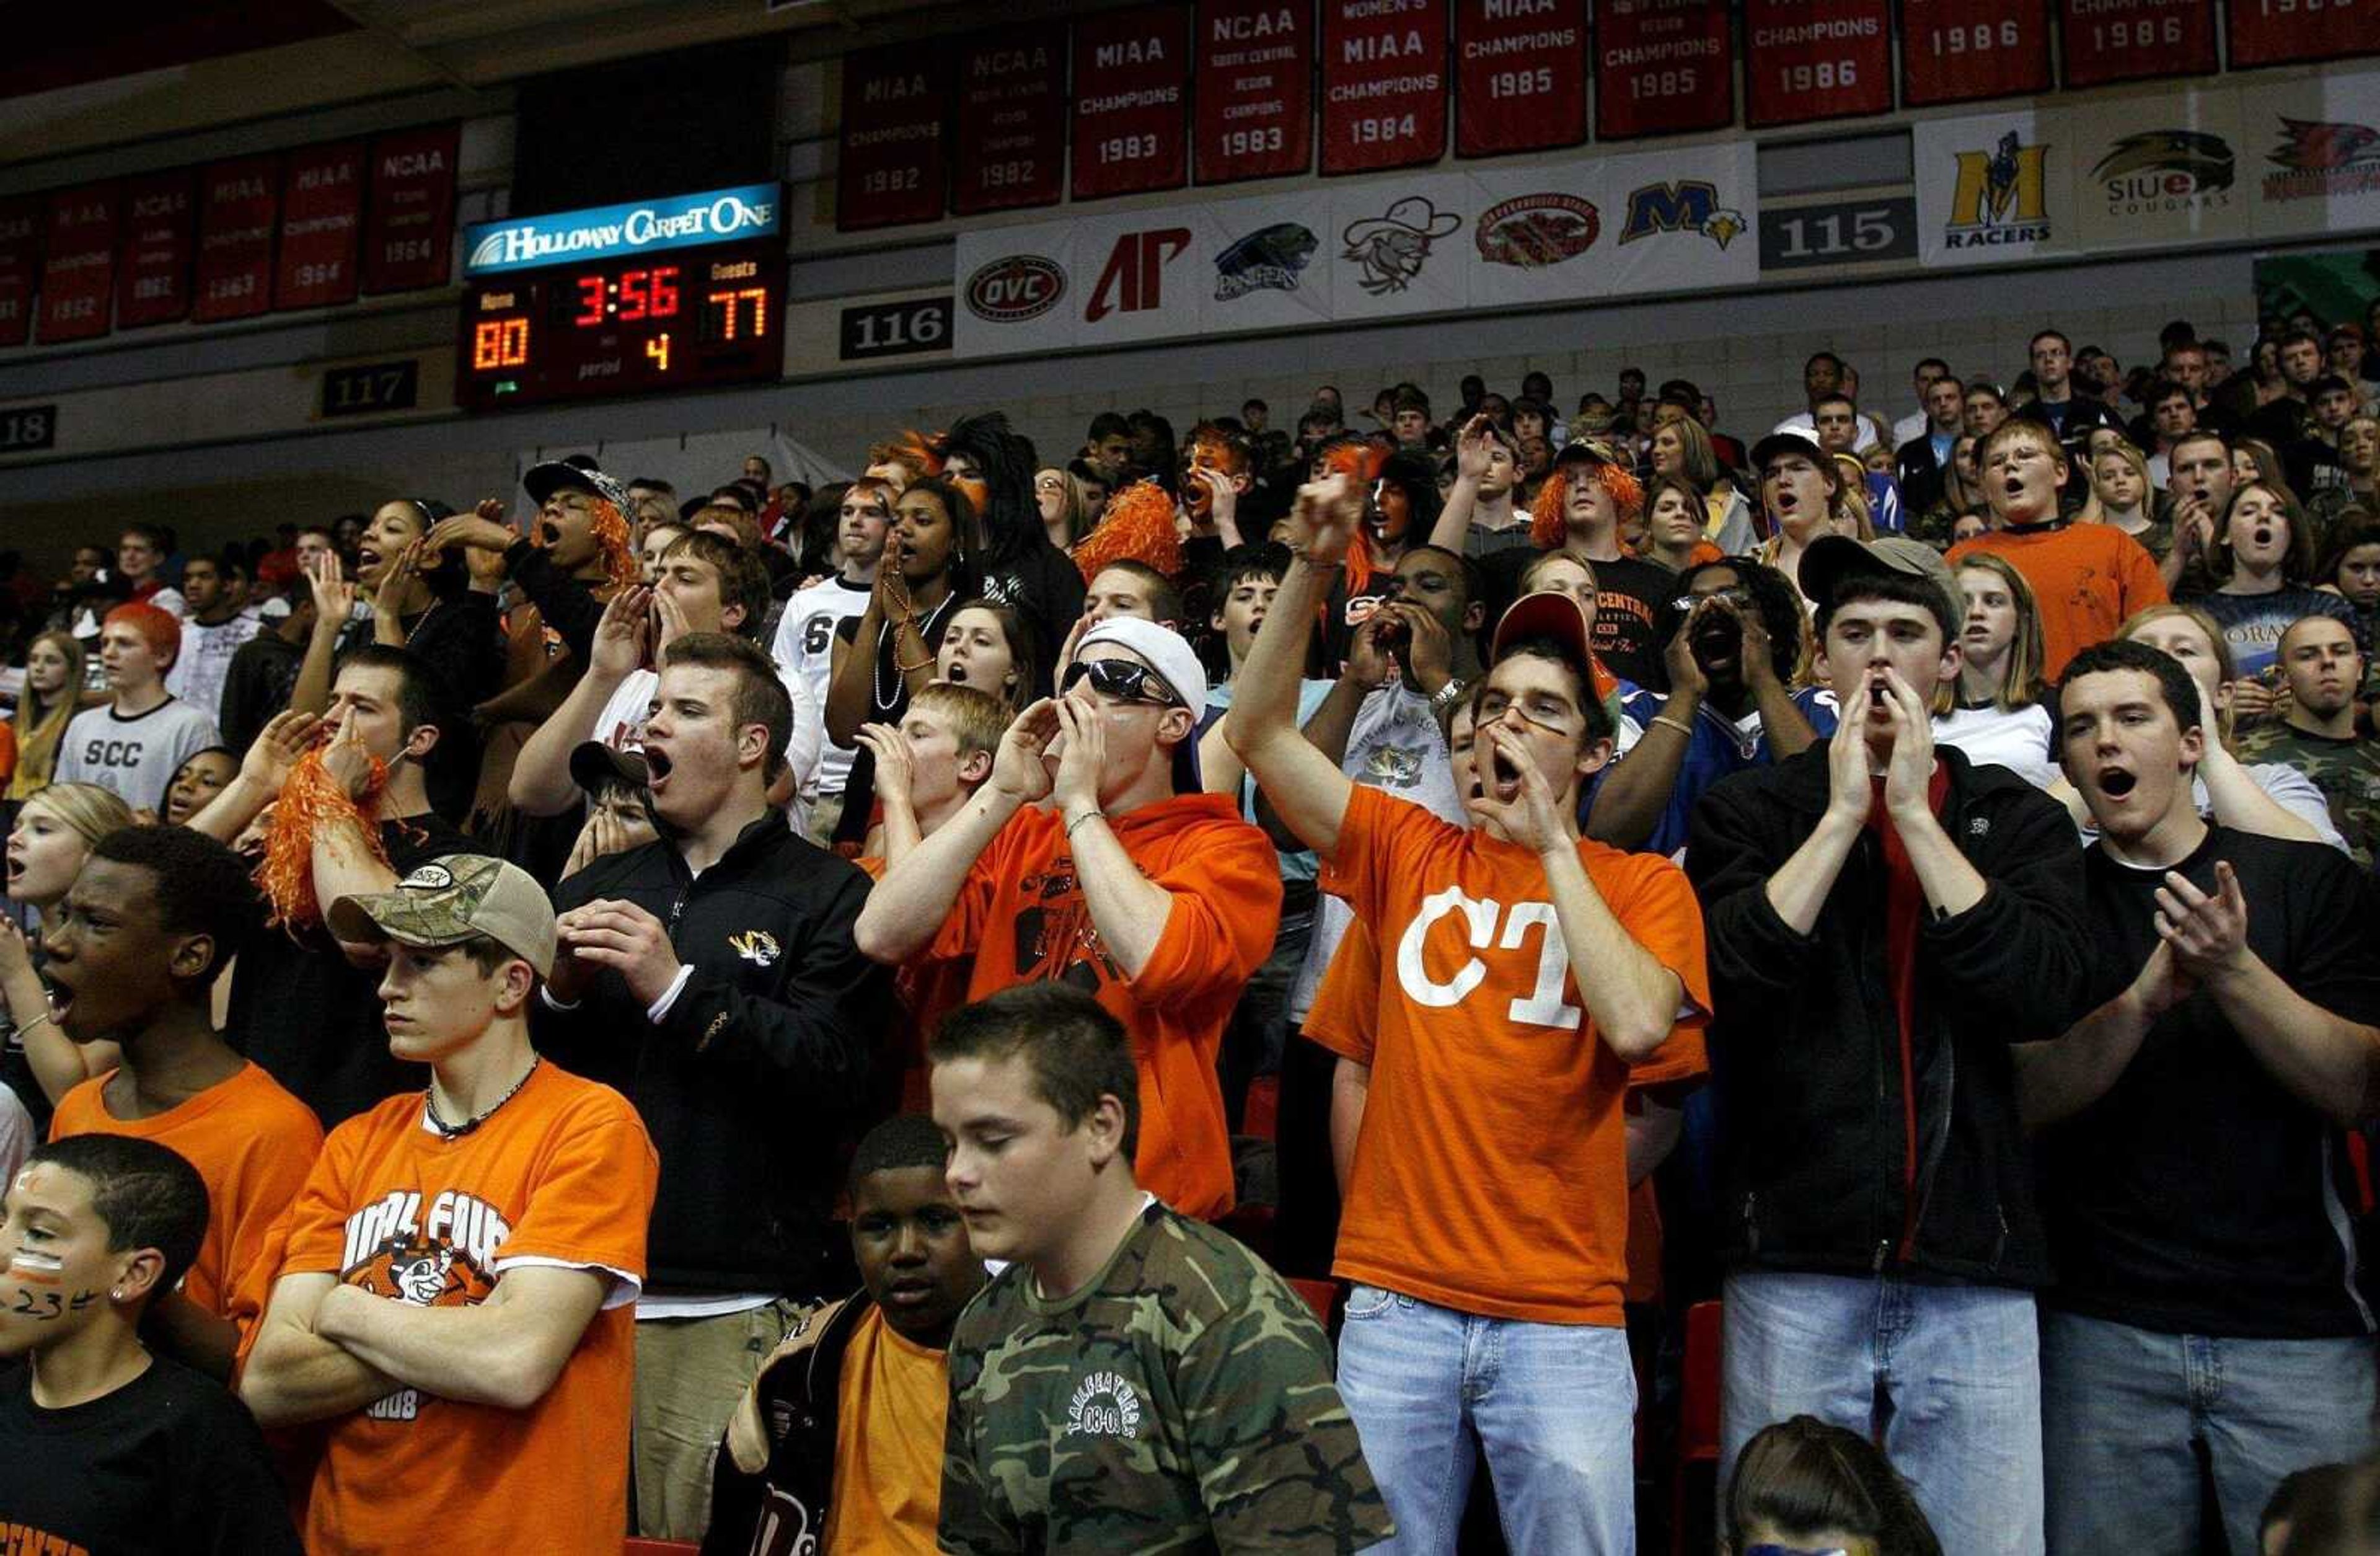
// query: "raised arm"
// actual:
[[541, 784], [1452, 531], [264, 769], [334, 603], [1634, 794], [2060, 1078], [1306, 788], [906, 909]]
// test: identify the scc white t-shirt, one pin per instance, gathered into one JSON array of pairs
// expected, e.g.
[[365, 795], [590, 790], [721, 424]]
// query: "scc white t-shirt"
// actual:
[[805, 645]]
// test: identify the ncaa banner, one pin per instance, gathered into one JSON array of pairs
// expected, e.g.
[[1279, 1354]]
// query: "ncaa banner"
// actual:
[[1685, 219], [1993, 187], [2310, 156], [2158, 171]]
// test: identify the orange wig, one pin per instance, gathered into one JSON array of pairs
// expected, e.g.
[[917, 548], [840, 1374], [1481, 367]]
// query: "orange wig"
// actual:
[[1546, 521]]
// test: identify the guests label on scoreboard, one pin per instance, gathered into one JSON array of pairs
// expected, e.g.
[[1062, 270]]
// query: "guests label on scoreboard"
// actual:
[[152, 282], [1662, 67], [79, 265], [1132, 101], [1012, 144], [1959, 51], [893, 165], [1255, 90], [410, 226], [1807, 60], [321, 218], [1517, 84], [239, 202], [1383, 83]]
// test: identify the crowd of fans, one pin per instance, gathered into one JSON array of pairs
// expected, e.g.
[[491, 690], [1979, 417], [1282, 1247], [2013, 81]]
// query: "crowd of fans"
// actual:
[[831, 1020]]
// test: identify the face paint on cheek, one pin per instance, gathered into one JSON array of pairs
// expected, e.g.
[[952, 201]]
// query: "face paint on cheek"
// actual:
[[29, 1262]]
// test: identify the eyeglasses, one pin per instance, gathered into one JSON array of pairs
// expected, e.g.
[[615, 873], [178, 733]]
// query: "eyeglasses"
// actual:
[[1737, 595], [1121, 680]]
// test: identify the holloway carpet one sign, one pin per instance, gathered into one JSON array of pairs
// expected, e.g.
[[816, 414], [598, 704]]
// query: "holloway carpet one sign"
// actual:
[[616, 231]]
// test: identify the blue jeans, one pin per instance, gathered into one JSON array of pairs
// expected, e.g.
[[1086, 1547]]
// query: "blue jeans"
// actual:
[[1946, 1379], [1554, 1406], [2124, 1411]]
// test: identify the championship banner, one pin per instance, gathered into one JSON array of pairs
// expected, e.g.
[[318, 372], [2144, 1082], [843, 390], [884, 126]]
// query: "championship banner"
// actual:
[[78, 263], [1383, 84], [2158, 171], [1686, 220], [1254, 113], [238, 204], [152, 278], [2293, 31], [1131, 99], [1662, 68], [21, 225], [1517, 82], [1960, 51], [1807, 60], [1012, 141], [409, 224], [1993, 188], [890, 166], [321, 223], [2109, 41], [2310, 156]]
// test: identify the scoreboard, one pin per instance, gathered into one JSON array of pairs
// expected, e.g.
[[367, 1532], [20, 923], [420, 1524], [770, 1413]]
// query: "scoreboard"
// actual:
[[632, 300]]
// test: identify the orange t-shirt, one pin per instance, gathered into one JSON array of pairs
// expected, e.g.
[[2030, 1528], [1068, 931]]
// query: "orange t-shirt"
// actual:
[[561, 1174], [1488, 1070], [2087, 580], [890, 1405], [1345, 1020], [1021, 915], [253, 1145]]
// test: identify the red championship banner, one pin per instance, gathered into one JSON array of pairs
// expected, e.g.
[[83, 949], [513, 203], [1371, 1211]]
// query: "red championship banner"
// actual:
[[1383, 83], [239, 203], [1806, 60], [1132, 101], [2281, 31], [2107, 40], [1012, 142], [79, 262], [1517, 82], [152, 278], [1255, 101], [21, 225], [409, 222], [1959, 51], [322, 220], [1662, 67], [893, 167]]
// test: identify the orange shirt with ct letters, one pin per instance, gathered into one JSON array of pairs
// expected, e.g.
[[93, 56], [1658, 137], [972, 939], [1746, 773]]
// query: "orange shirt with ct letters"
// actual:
[[1487, 1076]]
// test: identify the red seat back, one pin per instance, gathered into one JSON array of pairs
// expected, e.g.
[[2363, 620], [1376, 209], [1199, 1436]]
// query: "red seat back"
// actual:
[[1698, 1393]]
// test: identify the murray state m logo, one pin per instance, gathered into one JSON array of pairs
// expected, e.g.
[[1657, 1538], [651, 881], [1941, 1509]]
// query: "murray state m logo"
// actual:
[[2004, 188], [1690, 205]]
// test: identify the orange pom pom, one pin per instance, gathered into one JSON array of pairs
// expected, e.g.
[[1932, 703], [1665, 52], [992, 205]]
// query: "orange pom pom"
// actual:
[[611, 531], [310, 798], [1138, 526]]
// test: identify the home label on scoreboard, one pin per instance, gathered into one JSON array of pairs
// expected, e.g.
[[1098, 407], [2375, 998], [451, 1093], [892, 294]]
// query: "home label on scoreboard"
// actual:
[[630, 300]]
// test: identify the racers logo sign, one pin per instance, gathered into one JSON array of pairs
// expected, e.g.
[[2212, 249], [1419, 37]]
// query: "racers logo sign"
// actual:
[[1992, 188]]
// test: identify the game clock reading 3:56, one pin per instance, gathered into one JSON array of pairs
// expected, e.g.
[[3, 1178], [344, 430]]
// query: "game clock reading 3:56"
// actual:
[[624, 326]]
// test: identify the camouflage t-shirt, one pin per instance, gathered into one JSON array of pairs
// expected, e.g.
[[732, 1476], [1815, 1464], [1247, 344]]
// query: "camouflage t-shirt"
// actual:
[[1181, 1401], [2346, 771]]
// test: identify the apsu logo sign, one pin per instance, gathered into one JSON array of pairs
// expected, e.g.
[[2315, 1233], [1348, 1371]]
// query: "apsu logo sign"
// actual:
[[1133, 280], [1015, 287]]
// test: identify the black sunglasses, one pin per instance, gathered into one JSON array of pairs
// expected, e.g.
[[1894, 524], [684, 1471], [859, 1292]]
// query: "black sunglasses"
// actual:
[[1121, 679]]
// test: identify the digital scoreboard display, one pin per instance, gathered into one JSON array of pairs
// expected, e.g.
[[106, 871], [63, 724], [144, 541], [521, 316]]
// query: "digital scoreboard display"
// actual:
[[631, 300]]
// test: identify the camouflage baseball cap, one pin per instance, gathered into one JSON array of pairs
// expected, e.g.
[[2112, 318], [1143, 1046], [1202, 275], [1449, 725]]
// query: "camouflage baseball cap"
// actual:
[[448, 900]]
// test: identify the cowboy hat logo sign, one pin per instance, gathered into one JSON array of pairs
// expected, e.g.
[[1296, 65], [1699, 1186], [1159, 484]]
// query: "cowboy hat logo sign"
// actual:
[[1391, 248]]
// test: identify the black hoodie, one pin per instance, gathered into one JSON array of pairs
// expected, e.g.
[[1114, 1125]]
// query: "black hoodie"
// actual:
[[758, 1072], [1820, 1170]]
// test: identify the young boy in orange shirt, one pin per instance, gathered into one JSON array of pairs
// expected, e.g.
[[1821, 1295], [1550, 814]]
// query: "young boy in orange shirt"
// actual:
[[149, 922], [1091, 858], [455, 1299], [1493, 1066]]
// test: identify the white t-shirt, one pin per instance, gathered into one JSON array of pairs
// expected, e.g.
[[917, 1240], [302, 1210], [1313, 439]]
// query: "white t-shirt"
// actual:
[[2018, 740], [1802, 421], [621, 725], [805, 645], [134, 758], [197, 673]]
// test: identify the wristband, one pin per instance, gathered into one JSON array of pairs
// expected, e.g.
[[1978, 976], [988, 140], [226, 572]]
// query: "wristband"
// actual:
[[1085, 816], [1679, 724], [1448, 695]]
